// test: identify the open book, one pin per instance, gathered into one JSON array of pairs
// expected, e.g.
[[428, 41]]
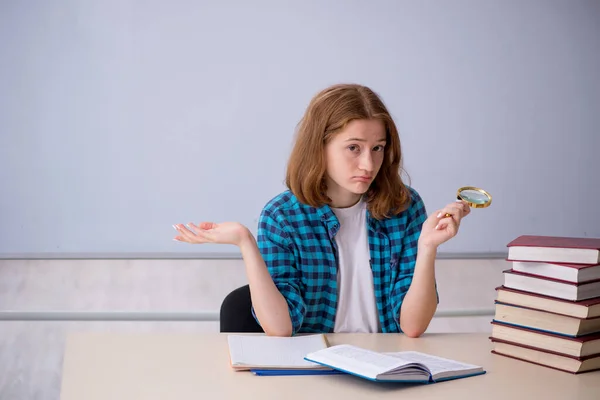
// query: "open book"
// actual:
[[405, 366], [250, 352]]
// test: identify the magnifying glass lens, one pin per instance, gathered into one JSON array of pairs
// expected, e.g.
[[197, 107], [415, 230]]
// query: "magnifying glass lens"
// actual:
[[473, 196]]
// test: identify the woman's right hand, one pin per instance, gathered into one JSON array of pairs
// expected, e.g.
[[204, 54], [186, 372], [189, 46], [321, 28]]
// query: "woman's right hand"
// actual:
[[210, 232]]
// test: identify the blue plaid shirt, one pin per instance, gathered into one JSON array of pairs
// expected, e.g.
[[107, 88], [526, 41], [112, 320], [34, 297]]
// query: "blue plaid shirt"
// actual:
[[298, 246]]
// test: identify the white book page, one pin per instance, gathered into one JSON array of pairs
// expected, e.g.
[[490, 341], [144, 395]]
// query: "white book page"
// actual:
[[269, 351], [357, 360], [437, 365]]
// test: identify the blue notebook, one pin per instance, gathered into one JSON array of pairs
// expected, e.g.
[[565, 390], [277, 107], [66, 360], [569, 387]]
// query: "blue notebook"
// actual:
[[405, 366], [289, 372]]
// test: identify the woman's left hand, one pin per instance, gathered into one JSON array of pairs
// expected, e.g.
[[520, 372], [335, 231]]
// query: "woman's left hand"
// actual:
[[438, 228]]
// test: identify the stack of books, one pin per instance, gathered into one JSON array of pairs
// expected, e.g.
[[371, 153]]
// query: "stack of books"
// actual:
[[548, 310]]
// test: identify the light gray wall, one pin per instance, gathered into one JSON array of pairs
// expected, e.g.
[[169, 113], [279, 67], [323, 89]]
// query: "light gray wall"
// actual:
[[119, 118]]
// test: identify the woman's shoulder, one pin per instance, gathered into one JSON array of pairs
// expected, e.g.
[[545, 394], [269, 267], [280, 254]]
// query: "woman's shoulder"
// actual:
[[279, 203], [415, 199], [286, 208], [285, 214]]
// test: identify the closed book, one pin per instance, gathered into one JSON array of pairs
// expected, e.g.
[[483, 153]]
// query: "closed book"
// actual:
[[545, 321], [574, 250], [561, 362], [575, 273], [589, 308], [551, 287], [583, 346], [262, 352]]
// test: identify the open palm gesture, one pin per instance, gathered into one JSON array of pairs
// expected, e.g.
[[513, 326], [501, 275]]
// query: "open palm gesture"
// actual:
[[210, 232]]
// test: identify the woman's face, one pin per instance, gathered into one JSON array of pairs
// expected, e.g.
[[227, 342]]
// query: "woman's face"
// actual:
[[354, 157]]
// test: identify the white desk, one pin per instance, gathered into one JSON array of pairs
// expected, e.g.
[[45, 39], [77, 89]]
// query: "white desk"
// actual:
[[112, 366]]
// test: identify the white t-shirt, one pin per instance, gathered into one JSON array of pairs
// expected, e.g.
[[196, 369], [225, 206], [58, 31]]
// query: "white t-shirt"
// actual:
[[356, 309]]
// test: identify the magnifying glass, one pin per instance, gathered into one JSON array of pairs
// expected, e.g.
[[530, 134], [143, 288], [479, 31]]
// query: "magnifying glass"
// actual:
[[474, 197]]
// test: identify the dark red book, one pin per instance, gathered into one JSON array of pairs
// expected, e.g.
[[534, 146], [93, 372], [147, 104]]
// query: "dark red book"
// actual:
[[563, 271], [550, 359], [582, 346], [551, 287], [547, 321], [574, 250], [580, 309]]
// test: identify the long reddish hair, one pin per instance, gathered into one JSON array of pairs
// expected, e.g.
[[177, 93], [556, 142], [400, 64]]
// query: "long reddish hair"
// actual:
[[327, 114]]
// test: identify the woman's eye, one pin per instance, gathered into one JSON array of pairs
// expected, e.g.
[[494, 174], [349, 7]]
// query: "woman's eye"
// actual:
[[353, 147], [378, 148]]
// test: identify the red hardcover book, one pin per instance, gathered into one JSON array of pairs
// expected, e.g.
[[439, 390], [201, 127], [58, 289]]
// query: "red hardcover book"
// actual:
[[550, 359], [551, 287], [547, 321], [580, 309], [582, 346], [567, 272], [559, 249]]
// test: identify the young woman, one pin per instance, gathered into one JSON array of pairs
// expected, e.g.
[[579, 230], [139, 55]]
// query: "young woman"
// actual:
[[349, 247]]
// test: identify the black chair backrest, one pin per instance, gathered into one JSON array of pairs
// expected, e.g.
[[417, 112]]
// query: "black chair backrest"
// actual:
[[236, 312]]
